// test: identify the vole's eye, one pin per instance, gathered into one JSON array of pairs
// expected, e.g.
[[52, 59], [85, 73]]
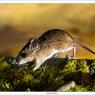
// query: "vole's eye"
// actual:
[[23, 55]]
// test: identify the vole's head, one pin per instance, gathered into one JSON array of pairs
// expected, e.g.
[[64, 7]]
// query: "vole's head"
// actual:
[[26, 53]]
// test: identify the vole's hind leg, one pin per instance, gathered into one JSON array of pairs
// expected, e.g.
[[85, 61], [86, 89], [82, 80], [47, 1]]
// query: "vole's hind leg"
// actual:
[[73, 53]]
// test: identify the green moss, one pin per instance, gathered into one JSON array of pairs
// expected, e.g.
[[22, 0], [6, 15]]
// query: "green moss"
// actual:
[[92, 67], [23, 79], [78, 88]]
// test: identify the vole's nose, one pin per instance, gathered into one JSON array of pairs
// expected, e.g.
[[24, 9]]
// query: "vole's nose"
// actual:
[[17, 62]]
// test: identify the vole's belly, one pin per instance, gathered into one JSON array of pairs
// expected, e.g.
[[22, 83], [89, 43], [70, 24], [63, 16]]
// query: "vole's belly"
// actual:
[[47, 53]]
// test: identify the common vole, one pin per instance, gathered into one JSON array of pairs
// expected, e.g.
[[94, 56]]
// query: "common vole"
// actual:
[[52, 42]]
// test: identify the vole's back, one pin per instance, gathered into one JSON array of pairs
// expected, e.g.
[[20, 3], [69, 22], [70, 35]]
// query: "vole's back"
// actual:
[[55, 38]]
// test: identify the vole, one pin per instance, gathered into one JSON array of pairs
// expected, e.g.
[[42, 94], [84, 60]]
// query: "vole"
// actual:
[[49, 44]]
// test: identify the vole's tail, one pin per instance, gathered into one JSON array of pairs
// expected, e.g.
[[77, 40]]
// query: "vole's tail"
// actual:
[[85, 47]]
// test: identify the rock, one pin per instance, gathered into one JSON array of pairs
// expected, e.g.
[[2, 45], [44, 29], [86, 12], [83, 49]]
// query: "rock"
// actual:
[[66, 87]]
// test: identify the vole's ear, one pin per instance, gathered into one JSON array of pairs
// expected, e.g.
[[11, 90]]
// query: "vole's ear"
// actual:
[[31, 40]]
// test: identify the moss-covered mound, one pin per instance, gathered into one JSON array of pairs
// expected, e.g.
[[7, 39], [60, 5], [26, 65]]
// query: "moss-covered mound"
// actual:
[[48, 77]]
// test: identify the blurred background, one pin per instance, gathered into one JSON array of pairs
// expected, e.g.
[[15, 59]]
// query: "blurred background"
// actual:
[[19, 22]]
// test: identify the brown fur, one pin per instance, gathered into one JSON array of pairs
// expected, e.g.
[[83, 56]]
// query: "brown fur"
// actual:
[[47, 45]]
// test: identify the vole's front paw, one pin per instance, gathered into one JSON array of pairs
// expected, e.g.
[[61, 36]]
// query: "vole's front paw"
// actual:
[[69, 57]]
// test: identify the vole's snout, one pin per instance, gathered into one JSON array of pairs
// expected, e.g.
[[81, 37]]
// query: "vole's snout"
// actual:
[[20, 61]]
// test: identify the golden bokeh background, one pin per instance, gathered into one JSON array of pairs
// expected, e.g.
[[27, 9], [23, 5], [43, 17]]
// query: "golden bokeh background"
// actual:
[[19, 22]]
